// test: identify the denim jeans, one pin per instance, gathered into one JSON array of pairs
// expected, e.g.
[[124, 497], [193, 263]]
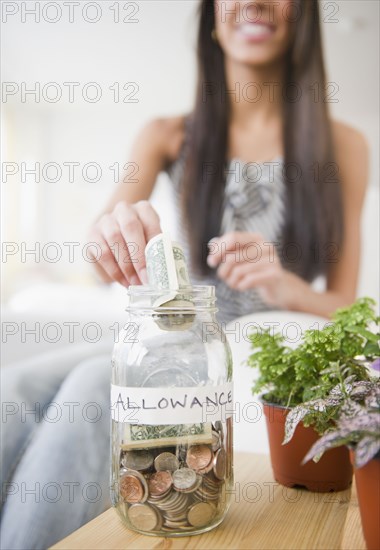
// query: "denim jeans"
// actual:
[[55, 450]]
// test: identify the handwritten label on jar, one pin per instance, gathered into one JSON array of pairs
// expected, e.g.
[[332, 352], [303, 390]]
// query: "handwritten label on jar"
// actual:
[[171, 405]]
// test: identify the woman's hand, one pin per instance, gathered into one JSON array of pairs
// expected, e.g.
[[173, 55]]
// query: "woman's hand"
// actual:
[[245, 260], [121, 236]]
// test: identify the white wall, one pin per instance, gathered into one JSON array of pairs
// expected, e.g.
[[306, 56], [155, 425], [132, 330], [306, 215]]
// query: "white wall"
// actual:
[[156, 53]]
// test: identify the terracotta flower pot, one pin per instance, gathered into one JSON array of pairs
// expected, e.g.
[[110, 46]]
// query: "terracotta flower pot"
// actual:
[[332, 473], [368, 488]]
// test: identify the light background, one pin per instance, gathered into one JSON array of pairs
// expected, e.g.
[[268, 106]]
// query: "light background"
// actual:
[[156, 53]]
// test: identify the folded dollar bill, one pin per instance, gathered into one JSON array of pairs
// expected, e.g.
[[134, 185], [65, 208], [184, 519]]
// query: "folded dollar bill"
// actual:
[[166, 267], [167, 272], [137, 436]]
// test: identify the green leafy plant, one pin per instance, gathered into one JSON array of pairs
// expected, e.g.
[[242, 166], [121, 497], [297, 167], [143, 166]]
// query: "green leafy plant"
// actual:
[[325, 358], [357, 406]]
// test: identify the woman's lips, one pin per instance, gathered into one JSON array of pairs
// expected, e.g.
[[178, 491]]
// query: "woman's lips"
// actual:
[[255, 32]]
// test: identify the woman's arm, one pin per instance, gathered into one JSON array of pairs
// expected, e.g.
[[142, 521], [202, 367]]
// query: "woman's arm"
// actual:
[[283, 289], [157, 144], [129, 221], [352, 160]]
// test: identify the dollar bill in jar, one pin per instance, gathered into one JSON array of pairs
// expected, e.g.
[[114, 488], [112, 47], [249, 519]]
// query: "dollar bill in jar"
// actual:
[[143, 436], [167, 272]]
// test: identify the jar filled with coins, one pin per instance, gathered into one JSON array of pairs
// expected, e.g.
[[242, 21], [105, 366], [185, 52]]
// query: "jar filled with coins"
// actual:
[[172, 407]]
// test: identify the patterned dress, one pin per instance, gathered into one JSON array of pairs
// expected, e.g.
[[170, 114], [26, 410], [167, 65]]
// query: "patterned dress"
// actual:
[[254, 201]]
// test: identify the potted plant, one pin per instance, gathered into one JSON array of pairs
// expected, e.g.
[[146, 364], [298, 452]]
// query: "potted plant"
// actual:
[[355, 405], [289, 377]]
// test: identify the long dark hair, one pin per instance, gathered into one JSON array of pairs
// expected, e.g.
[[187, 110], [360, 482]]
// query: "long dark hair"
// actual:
[[313, 210]]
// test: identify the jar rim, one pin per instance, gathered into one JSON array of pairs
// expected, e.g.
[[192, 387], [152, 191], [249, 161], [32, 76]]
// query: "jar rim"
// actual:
[[189, 299], [197, 291]]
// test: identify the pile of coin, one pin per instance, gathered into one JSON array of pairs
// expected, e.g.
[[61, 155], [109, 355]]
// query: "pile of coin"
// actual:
[[174, 489]]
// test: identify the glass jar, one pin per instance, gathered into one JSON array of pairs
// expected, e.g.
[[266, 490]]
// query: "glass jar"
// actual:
[[172, 405]]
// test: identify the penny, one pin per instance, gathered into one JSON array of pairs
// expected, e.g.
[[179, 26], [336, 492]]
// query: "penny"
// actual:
[[184, 478], [137, 460], [198, 457], [166, 461], [208, 468], [185, 490], [219, 467], [131, 489], [160, 483], [200, 514], [143, 517], [137, 475]]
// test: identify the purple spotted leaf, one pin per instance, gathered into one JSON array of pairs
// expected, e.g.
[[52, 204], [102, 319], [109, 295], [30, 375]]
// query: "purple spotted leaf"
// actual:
[[365, 422], [337, 391], [360, 389], [366, 449], [376, 365], [326, 442], [293, 418], [350, 409]]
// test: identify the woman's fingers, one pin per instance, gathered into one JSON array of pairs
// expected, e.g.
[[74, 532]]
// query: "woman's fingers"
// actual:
[[150, 223], [103, 274], [132, 233], [245, 256], [107, 262], [238, 273], [257, 279], [122, 236], [236, 245], [149, 218], [245, 260], [112, 233], [241, 270]]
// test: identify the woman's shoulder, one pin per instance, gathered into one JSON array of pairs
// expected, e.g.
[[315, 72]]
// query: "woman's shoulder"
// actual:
[[351, 152], [348, 139], [166, 135]]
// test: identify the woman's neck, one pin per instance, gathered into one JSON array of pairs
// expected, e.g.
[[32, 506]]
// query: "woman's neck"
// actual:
[[254, 91]]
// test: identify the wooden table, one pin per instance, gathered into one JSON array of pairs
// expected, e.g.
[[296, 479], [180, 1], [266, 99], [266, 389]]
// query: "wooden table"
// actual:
[[263, 515]]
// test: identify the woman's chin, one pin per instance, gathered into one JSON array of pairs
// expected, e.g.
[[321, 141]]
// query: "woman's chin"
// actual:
[[255, 59]]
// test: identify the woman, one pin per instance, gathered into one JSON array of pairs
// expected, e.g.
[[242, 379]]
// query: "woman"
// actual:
[[298, 184], [264, 175]]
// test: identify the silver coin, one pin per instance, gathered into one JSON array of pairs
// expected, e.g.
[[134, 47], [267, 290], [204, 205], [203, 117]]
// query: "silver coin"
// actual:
[[143, 517], [194, 487], [216, 441], [166, 461], [200, 514], [218, 425], [137, 460], [184, 478], [220, 463]]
